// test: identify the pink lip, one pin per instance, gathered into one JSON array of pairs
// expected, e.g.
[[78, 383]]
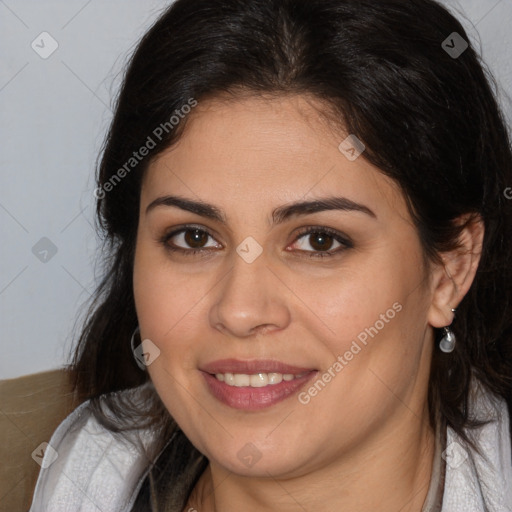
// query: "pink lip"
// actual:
[[251, 367], [248, 398]]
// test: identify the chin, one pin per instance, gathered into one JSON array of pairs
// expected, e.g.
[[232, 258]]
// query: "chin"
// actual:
[[259, 462]]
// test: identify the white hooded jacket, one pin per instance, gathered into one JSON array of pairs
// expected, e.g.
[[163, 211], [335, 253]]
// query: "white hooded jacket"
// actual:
[[97, 470]]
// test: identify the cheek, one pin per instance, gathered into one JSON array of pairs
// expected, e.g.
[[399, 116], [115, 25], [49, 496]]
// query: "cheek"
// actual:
[[165, 306], [370, 318], [170, 309], [351, 301], [161, 293]]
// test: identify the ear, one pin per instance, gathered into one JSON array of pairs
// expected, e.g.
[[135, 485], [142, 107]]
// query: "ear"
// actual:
[[452, 279]]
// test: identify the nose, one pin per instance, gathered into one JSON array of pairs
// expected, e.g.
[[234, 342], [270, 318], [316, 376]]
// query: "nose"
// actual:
[[250, 300]]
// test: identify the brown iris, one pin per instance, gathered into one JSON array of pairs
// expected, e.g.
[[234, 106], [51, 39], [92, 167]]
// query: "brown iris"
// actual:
[[196, 238], [320, 241]]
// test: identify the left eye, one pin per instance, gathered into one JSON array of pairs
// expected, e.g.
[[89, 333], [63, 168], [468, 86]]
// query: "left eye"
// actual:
[[319, 241]]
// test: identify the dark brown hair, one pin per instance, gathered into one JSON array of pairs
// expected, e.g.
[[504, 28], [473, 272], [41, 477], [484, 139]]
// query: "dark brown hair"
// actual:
[[428, 120]]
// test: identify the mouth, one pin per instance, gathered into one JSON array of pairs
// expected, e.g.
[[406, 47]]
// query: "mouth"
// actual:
[[256, 380], [254, 385]]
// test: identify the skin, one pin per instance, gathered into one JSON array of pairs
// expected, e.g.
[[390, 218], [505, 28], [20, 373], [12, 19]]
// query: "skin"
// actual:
[[363, 442]]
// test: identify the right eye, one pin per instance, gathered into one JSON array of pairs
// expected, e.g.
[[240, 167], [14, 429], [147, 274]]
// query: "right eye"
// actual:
[[188, 240]]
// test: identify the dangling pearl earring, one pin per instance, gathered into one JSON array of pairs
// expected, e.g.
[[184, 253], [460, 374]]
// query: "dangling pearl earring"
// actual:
[[447, 343]]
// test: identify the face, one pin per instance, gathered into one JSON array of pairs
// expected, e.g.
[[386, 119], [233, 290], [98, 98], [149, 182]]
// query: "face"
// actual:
[[289, 335]]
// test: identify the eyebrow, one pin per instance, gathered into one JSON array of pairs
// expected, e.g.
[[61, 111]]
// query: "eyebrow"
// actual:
[[279, 215]]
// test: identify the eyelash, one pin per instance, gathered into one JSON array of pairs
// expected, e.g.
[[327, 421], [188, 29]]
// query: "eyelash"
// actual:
[[345, 242]]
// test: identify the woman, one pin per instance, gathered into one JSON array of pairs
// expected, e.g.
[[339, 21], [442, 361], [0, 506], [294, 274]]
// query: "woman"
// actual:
[[307, 294]]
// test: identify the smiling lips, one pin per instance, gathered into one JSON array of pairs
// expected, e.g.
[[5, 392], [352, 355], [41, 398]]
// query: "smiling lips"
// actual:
[[253, 385], [257, 380]]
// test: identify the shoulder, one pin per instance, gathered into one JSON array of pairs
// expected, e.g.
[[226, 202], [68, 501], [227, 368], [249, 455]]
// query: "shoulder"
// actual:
[[482, 481], [87, 467]]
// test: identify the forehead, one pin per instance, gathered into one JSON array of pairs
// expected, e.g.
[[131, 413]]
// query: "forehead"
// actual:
[[254, 150]]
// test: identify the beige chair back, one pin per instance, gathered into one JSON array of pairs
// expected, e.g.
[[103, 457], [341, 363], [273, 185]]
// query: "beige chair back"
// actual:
[[31, 408]]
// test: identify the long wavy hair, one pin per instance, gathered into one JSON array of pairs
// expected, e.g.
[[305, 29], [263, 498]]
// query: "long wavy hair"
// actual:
[[429, 120]]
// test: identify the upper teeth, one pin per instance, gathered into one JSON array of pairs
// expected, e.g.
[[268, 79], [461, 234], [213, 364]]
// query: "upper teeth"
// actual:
[[257, 380]]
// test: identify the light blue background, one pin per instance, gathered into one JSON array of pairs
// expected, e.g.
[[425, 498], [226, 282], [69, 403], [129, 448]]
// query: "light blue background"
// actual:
[[53, 116]]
